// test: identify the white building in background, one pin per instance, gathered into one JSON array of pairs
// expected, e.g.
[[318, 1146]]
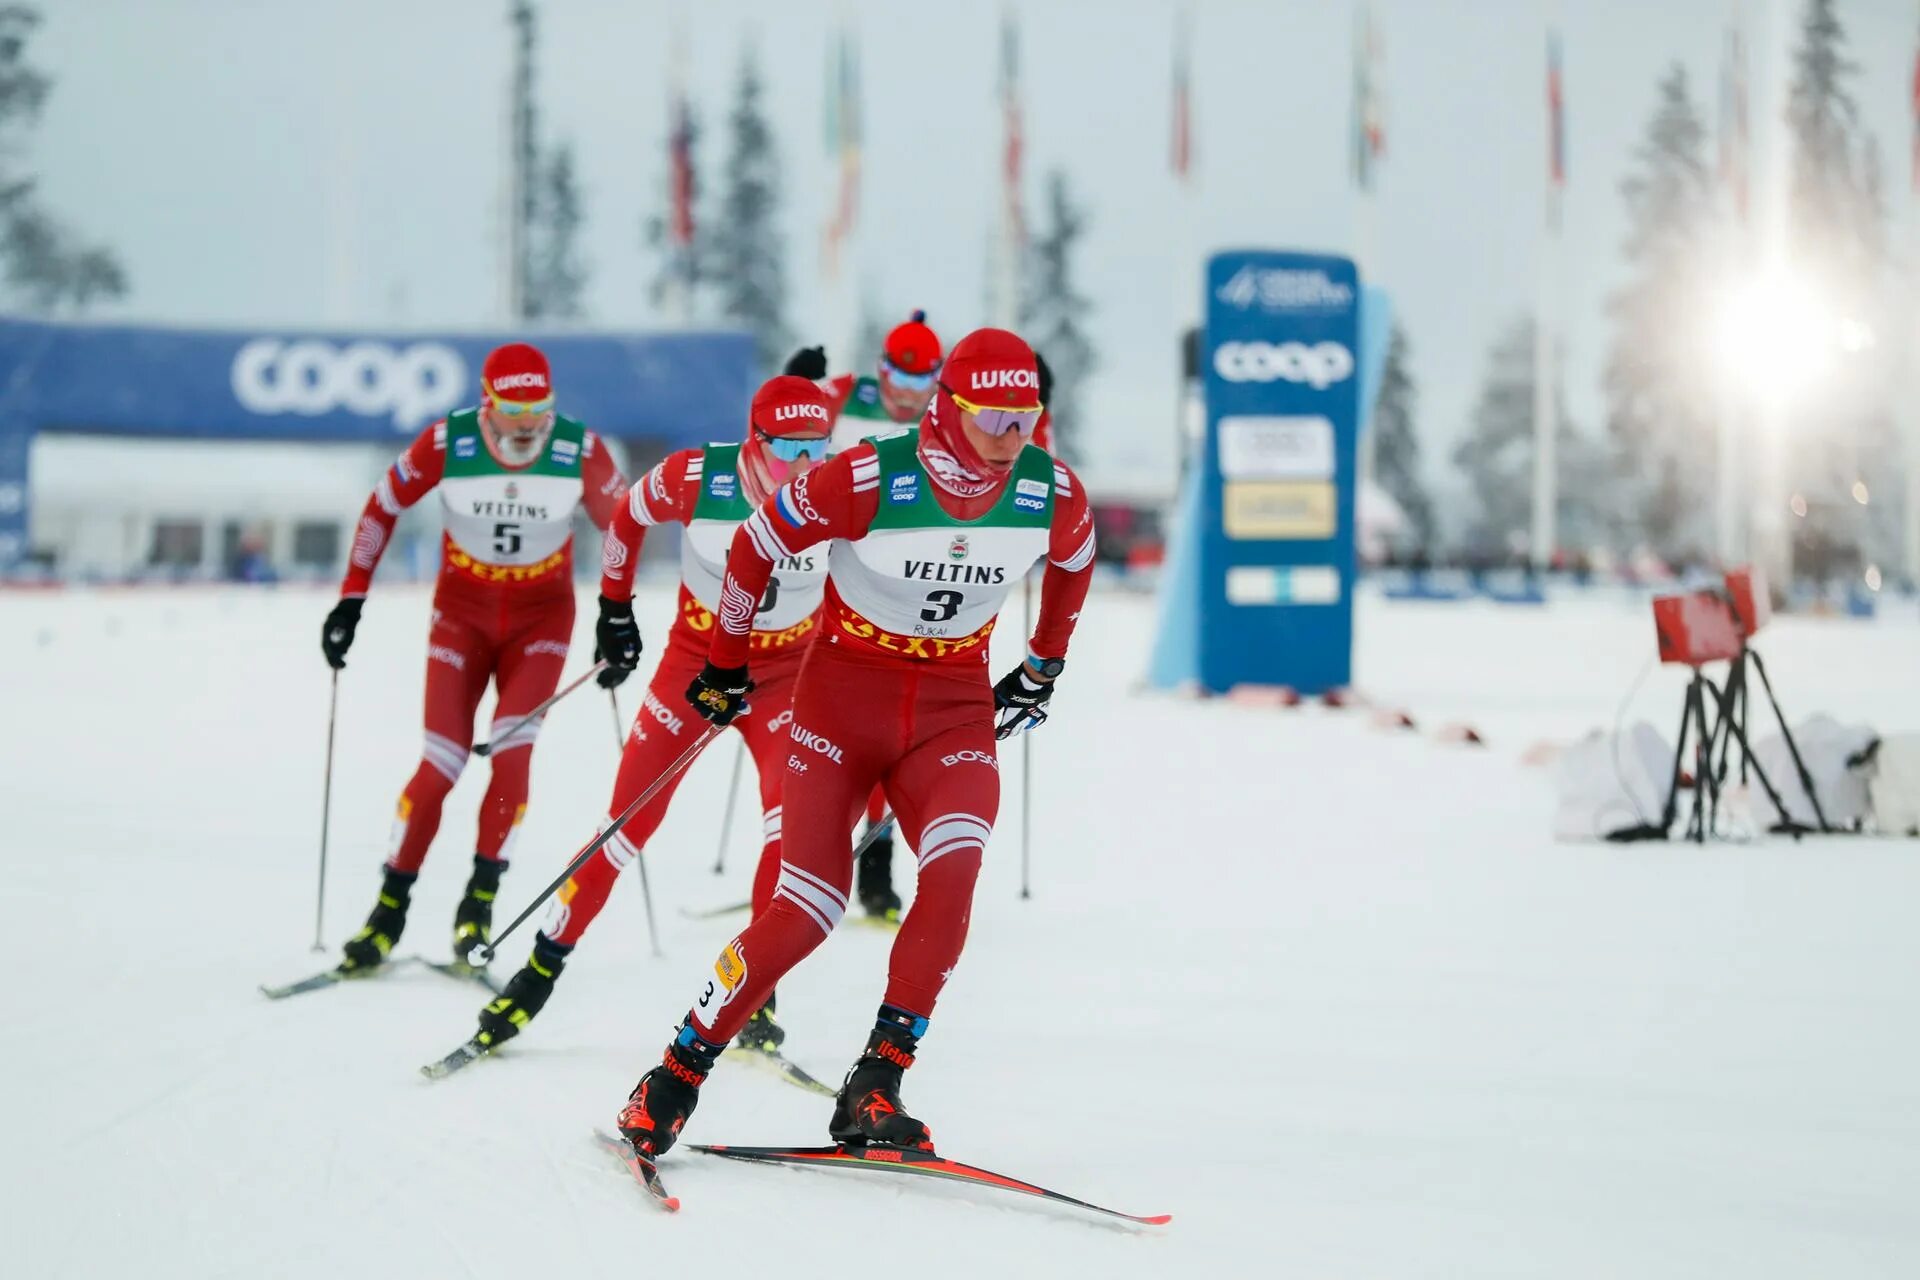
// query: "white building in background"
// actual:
[[112, 508]]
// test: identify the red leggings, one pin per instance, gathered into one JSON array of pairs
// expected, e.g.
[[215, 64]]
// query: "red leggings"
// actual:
[[523, 648], [923, 731], [661, 731]]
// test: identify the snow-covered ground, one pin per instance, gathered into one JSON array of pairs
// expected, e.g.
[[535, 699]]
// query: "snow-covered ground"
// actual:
[[1327, 994]]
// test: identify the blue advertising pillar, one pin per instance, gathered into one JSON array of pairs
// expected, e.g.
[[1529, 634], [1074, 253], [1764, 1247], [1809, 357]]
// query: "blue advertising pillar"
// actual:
[[1265, 593]]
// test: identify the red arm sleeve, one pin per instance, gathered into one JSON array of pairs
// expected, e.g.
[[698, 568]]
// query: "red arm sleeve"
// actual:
[[601, 483], [411, 478], [836, 499], [1063, 588], [665, 495]]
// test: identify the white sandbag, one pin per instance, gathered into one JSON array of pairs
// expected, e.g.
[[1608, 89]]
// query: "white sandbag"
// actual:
[[1826, 746], [1607, 786], [1895, 785]]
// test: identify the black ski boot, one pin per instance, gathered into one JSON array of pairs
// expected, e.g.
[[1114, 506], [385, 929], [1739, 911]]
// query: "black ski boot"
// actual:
[[868, 1109], [762, 1032], [526, 993], [368, 948], [473, 918], [875, 880], [667, 1095]]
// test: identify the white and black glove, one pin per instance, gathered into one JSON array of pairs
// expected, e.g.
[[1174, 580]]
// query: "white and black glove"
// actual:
[[1022, 696]]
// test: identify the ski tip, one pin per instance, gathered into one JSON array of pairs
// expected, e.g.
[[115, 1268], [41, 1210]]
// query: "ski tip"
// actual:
[[1154, 1219]]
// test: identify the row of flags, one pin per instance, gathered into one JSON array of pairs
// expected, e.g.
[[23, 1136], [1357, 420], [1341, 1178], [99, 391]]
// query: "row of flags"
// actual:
[[843, 132], [1368, 112]]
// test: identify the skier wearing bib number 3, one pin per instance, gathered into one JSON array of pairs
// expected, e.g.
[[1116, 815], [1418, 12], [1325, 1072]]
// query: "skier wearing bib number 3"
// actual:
[[710, 491], [931, 529], [510, 474]]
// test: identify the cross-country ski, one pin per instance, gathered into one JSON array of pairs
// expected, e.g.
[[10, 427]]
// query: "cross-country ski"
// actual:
[[907, 1161]]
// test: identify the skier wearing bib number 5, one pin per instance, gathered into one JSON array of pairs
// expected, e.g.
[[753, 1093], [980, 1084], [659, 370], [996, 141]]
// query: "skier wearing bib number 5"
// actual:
[[931, 529], [510, 473]]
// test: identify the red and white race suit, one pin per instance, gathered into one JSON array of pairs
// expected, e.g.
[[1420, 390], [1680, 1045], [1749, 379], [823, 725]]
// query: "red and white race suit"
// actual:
[[502, 608]]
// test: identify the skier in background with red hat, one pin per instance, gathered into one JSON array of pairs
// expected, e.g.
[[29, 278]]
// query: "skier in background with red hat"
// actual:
[[894, 395], [932, 528], [510, 472], [709, 491]]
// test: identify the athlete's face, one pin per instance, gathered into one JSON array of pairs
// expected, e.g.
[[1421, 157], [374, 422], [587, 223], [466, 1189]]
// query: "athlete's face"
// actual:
[[515, 437], [998, 452], [790, 457], [904, 396]]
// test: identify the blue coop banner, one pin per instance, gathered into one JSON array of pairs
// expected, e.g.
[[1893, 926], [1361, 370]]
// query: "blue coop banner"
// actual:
[[675, 388]]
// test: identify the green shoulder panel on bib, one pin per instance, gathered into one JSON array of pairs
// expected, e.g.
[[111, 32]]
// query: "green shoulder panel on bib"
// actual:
[[906, 490], [863, 402], [468, 455], [720, 496]]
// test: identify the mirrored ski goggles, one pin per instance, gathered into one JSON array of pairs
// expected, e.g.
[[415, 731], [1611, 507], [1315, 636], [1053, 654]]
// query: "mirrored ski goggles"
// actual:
[[908, 381], [793, 448], [997, 422], [520, 408]]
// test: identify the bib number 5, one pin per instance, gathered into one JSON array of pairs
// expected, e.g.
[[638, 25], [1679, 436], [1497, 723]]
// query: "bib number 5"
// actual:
[[506, 539]]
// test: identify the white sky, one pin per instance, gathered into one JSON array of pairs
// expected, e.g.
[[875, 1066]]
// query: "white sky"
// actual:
[[340, 163]]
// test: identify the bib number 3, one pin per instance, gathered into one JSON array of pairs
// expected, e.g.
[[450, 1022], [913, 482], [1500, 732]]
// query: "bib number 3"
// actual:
[[941, 606]]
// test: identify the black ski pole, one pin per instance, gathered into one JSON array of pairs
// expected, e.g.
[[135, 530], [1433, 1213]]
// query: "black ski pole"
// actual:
[[326, 813], [619, 723], [1026, 756], [733, 798], [484, 749], [685, 758]]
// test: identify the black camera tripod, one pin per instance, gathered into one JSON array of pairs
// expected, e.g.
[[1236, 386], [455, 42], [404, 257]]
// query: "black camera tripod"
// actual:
[[1735, 705]]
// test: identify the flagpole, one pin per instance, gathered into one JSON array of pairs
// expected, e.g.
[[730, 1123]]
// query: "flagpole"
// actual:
[[1006, 300], [1771, 541], [1909, 337], [1545, 426], [1735, 168], [1189, 268], [1364, 158]]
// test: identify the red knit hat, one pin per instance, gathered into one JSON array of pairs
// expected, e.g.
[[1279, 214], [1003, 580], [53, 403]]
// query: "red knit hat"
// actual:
[[993, 368], [516, 371], [913, 347], [790, 406]]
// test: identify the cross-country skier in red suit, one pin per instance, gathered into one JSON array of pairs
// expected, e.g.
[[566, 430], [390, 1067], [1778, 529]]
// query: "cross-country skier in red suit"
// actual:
[[931, 527], [894, 395], [709, 490], [510, 473]]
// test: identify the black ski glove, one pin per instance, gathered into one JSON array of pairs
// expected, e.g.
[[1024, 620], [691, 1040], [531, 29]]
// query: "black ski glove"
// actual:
[[808, 362], [616, 639], [720, 693], [336, 635], [1024, 695]]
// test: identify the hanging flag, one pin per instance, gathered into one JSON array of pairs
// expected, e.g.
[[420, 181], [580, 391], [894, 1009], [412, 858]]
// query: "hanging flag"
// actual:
[[1010, 123], [680, 171], [1182, 153], [1369, 117], [1914, 180], [1734, 154], [1556, 129], [843, 143]]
